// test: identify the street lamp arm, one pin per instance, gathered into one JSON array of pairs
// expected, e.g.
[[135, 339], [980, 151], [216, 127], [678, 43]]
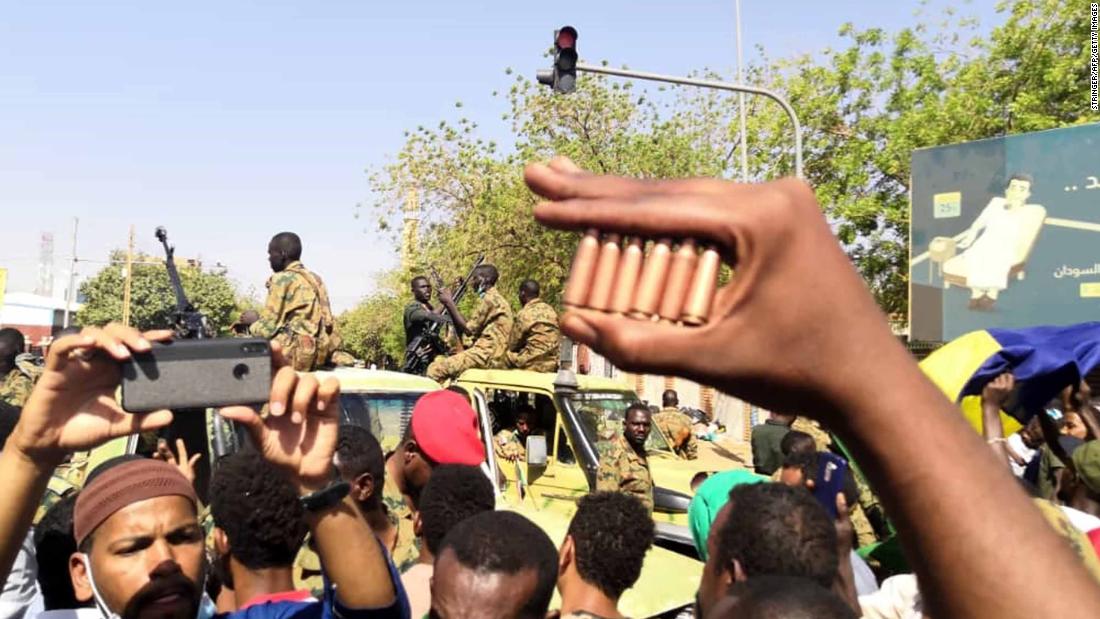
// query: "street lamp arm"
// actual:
[[687, 81]]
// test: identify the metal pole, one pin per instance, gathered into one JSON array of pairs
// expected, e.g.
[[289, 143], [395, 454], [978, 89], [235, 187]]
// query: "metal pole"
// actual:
[[741, 101], [69, 294], [686, 81], [127, 283]]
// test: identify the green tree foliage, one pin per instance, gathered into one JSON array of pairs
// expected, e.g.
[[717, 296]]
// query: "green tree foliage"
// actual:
[[370, 331], [152, 301], [864, 109]]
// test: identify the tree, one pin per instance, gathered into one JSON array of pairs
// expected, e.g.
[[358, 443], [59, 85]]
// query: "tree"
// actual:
[[370, 330], [152, 301], [864, 109]]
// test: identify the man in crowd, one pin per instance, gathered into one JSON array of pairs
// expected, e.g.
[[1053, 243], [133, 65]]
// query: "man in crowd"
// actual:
[[781, 597], [497, 565], [489, 328], [602, 554], [136, 524], [443, 430], [767, 456], [419, 318], [297, 314], [53, 545], [259, 525], [625, 467], [453, 494], [799, 470], [511, 445], [15, 385], [767, 529], [535, 343], [360, 462], [676, 426]]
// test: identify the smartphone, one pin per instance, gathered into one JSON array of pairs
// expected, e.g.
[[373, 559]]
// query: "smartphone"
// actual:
[[197, 374], [829, 480]]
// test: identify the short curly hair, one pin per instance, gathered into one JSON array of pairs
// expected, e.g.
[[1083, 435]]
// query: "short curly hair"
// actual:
[[358, 452], [453, 494], [778, 530], [258, 510], [611, 533], [504, 542]]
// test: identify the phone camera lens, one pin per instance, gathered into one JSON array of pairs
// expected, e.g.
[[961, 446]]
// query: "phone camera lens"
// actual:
[[240, 371]]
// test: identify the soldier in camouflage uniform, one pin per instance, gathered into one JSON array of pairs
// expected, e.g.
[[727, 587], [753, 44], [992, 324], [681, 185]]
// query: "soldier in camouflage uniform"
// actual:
[[535, 344], [297, 312], [625, 467], [511, 445], [15, 384], [490, 326], [676, 426]]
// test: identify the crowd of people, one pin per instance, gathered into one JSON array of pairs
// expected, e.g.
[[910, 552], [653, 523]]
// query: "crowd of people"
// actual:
[[311, 519]]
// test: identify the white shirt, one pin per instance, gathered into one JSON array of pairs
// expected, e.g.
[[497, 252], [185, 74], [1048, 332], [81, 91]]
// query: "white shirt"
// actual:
[[20, 598], [1016, 444]]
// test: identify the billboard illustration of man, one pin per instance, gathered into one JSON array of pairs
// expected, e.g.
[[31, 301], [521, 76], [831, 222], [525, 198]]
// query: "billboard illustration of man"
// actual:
[[997, 244]]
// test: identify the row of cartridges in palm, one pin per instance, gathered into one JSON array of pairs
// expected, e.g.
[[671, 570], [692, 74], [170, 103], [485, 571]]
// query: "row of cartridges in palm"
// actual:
[[671, 282]]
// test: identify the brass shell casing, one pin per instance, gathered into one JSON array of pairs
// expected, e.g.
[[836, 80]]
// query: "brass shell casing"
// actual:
[[582, 271]]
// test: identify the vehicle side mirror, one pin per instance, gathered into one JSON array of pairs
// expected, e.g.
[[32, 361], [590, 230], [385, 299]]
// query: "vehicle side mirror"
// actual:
[[536, 450]]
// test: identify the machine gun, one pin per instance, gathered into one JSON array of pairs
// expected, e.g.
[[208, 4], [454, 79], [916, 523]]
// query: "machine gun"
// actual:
[[428, 345], [191, 425], [190, 324]]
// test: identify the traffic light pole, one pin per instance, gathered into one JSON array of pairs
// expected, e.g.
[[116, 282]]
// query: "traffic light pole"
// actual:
[[687, 81]]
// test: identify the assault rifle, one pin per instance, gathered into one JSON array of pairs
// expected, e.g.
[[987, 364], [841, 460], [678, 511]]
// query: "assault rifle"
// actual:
[[428, 345]]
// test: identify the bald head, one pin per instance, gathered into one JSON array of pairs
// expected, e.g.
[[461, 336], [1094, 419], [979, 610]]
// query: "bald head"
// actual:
[[528, 291], [284, 248], [669, 398], [488, 276]]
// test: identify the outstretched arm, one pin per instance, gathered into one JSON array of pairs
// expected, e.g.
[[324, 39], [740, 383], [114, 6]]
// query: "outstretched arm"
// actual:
[[771, 341]]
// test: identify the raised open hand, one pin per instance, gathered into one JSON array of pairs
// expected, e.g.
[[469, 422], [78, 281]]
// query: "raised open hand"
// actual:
[[73, 405]]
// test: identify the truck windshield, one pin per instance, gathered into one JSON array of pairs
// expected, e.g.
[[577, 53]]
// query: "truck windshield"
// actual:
[[386, 415], [601, 417]]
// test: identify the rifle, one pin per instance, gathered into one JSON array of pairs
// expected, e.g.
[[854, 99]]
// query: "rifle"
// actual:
[[191, 324], [428, 345]]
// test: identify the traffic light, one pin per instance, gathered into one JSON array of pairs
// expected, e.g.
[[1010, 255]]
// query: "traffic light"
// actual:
[[563, 77]]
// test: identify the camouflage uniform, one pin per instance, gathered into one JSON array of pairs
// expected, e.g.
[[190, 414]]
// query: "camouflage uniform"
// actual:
[[298, 316], [536, 339], [307, 564], [406, 550], [623, 470], [509, 446], [490, 327], [16, 387], [677, 427]]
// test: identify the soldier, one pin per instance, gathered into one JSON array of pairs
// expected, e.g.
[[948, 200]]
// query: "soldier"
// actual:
[[15, 384], [536, 338], [490, 326], [511, 445], [297, 312], [419, 318], [676, 426], [625, 468]]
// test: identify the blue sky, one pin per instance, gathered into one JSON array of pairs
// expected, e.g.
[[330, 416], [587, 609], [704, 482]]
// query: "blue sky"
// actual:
[[227, 122]]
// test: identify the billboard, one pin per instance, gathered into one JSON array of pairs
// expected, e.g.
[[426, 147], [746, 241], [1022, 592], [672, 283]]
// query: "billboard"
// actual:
[[1005, 232]]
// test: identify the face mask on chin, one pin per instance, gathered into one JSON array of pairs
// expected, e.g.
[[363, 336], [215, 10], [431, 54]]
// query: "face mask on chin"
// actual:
[[206, 610]]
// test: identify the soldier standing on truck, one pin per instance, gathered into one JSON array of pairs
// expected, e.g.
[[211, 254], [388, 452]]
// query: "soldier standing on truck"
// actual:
[[490, 326], [297, 312], [625, 467], [536, 338]]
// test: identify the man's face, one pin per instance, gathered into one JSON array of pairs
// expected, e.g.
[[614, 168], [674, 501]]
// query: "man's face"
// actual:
[[716, 578], [147, 561], [1018, 191], [275, 258], [1075, 426], [1032, 434], [636, 427], [422, 290], [459, 592], [523, 424]]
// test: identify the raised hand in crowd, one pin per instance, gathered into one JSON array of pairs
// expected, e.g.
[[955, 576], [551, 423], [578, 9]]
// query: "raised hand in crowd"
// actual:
[[795, 330], [185, 465]]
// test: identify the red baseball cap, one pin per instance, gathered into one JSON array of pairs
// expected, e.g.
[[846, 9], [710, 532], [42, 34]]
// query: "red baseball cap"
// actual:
[[446, 429]]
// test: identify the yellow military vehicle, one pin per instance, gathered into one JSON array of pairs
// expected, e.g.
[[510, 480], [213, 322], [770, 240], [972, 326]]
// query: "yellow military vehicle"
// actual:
[[579, 418]]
